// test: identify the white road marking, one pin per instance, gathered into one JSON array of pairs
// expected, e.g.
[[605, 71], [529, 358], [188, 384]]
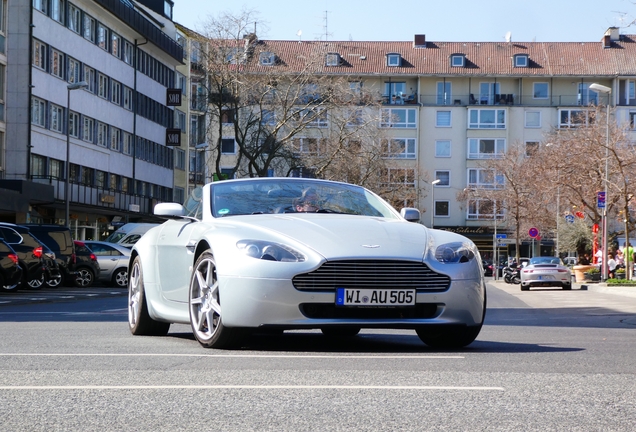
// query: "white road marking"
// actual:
[[253, 387], [403, 357]]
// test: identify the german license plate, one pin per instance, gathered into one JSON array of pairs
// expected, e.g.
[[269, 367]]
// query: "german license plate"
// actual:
[[375, 297], [545, 277]]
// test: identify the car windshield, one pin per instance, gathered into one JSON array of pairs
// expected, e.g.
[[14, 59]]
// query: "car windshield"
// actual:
[[545, 260], [295, 196]]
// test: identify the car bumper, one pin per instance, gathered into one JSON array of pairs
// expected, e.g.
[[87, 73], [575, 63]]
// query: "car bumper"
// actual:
[[565, 281], [257, 302]]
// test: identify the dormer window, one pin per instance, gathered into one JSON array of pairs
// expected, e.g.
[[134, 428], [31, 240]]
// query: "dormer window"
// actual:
[[333, 59], [267, 58], [458, 60], [393, 60], [521, 60]]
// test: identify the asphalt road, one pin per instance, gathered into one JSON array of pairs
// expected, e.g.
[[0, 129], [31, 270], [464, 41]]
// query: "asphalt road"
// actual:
[[546, 360]]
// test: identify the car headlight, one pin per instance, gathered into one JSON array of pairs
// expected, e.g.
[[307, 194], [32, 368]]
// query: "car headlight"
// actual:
[[451, 253], [269, 251]]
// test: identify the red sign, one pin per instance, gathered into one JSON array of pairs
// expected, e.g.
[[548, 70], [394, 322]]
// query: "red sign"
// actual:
[[533, 232], [595, 228], [579, 214]]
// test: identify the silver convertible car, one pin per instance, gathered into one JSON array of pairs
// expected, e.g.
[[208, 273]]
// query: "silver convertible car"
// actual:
[[545, 271], [293, 253]]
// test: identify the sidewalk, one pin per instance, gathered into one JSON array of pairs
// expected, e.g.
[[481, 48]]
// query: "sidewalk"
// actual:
[[626, 291]]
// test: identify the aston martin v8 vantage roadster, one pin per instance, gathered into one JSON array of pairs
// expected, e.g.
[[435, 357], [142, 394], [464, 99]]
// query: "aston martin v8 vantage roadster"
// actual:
[[295, 253]]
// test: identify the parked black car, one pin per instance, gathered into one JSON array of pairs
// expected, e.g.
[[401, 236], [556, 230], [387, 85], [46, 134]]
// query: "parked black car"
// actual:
[[10, 270], [58, 239], [36, 259], [86, 265]]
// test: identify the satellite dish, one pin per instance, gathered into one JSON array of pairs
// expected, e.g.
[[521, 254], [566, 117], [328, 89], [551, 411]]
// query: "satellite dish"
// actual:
[[508, 36]]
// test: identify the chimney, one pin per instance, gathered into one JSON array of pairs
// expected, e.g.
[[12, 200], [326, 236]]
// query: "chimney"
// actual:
[[611, 35], [420, 41]]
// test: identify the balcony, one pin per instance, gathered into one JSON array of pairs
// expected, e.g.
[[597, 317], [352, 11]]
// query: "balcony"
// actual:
[[506, 99]]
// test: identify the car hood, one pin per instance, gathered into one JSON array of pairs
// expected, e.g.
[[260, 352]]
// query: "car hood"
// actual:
[[336, 236]]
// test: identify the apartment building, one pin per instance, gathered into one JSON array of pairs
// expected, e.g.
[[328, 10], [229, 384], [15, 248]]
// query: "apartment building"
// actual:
[[86, 94], [450, 105]]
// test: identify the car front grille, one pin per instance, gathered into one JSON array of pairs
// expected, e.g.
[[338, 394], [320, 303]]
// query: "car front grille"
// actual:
[[373, 274]]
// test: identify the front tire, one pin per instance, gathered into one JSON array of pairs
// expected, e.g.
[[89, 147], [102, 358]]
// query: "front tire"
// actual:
[[205, 307], [54, 282], [139, 320], [36, 283]]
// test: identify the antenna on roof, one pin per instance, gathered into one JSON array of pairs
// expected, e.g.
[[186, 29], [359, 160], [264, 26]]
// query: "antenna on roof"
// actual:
[[299, 33], [508, 37]]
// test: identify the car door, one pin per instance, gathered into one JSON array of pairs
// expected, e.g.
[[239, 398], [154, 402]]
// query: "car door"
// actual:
[[174, 259], [107, 257]]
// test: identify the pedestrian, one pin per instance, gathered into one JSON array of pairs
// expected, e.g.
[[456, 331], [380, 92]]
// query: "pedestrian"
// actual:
[[611, 266], [620, 259], [584, 260]]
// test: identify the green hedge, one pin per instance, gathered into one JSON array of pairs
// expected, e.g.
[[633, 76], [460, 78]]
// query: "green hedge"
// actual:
[[621, 282]]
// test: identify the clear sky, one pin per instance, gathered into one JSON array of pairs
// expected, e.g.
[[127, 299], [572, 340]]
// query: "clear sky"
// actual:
[[439, 20]]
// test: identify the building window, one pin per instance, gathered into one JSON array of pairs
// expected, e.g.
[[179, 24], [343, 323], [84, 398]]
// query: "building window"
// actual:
[[56, 169], [41, 5], [128, 53], [444, 93], [457, 60], [333, 59], [531, 147], [115, 44], [57, 64], [395, 93], [632, 120], [128, 98], [38, 112], [38, 165], [309, 146], [74, 124], [486, 148], [88, 131], [88, 28], [102, 89], [267, 59], [101, 178], [540, 90], [88, 175], [317, 118], [179, 120], [268, 117], [487, 119], [442, 208], [102, 36], [398, 118], [228, 146], [400, 177], [393, 60], [443, 177], [398, 148], [443, 119], [443, 148], [74, 70], [115, 139], [180, 160], [57, 10], [631, 89], [483, 209], [484, 179], [40, 51], [533, 119], [115, 92], [102, 134], [488, 92], [89, 77], [74, 18], [573, 118], [57, 118], [521, 60], [127, 143]]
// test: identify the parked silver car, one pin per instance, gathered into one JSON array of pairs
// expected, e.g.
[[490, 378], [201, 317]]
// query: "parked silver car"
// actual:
[[113, 262], [545, 271]]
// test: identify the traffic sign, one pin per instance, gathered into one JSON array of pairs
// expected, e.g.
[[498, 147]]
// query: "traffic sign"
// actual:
[[501, 236], [569, 218], [533, 232], [503, 241], [600, 200]]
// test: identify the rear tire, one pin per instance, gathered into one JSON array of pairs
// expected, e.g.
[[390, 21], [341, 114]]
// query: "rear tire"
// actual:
[[84, 278], [139, 320], [120, 278], [567, 286], [525, 288], [204, 302], [35, 283], [54, 282]]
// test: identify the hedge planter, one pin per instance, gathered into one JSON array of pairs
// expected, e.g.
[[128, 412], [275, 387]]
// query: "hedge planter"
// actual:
[[593, 276]]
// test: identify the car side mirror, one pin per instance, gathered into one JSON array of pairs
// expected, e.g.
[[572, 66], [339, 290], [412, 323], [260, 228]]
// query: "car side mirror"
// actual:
[[169, 210], [410, 214]]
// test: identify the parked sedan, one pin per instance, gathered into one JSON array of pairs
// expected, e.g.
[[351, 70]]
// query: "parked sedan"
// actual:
[[545, 271], [10, 270], [113, 262], [86, 266]]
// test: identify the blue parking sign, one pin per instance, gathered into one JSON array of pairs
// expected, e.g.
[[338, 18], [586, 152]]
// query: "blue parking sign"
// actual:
[[600, 200]]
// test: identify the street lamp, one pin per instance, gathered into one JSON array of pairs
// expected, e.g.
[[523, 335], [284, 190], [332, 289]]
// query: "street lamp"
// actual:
[[433, 183], [603, 89], [67, 167]]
